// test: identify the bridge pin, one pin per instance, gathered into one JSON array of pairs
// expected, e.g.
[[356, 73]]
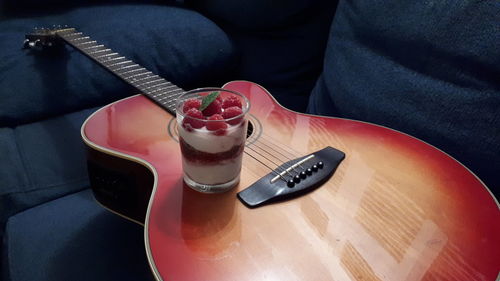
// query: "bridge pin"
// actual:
[[303, 175], [290, 183], [296, 179], [314, 168], [320, 164], [309, 171]]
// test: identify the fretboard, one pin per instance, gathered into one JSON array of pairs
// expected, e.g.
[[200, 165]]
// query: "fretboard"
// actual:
[[156, 88]]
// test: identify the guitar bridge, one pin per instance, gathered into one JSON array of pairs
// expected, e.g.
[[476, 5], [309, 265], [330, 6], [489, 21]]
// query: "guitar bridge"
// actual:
[[315, 169]]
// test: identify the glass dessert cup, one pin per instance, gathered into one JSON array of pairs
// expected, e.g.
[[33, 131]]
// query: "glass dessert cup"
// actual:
[[212, 139]]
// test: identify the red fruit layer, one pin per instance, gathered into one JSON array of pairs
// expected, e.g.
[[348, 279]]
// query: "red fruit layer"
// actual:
[[231, 101], [219, 127], [213, 108], [191, 103], [231, 112], [190, 123], [201, 157]]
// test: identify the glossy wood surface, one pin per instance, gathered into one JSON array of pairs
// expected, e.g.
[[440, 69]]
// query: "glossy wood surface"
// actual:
[[396, 208]]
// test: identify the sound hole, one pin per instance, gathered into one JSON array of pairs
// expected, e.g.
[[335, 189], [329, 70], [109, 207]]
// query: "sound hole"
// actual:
[[249, 129]]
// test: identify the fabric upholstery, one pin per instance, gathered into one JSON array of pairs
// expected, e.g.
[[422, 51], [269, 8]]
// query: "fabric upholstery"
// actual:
[[427, 68], [255, 15], [178, 44], [280, 44], [40, 162], [73, 238]]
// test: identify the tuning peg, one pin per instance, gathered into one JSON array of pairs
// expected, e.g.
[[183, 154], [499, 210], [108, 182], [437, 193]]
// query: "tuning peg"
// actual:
[[26, 43], [37, 44]]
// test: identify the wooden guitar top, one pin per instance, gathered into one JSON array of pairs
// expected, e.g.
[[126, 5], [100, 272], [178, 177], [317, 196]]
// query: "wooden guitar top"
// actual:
[[395, 209]]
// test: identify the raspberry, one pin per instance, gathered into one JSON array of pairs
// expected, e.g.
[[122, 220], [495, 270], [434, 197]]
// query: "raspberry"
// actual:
[[191, 103], [213, 108], [219, 127], [231, 101], [232, 112], [189, 123]]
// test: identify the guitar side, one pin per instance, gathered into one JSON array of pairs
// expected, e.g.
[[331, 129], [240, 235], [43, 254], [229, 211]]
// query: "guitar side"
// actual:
[[395, 208]]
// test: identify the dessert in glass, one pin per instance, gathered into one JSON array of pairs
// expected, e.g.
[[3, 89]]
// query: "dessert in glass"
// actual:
[[212, 128]]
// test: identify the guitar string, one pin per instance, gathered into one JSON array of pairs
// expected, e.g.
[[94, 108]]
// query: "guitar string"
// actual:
[[272, 155], [270, 140], [294, 154], [274, 163], [271, 169], [168, 97]]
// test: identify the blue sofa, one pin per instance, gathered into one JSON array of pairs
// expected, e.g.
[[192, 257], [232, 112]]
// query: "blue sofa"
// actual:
[[428, 69]]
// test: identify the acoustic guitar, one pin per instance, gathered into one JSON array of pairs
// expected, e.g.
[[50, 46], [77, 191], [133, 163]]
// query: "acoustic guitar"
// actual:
[[396, 208]]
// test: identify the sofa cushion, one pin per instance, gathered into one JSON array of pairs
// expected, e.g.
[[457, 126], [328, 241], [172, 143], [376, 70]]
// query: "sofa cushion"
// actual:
[[429, 69], [178, 44], [253, 15], [280, 43], [73, 238], [40, 162]]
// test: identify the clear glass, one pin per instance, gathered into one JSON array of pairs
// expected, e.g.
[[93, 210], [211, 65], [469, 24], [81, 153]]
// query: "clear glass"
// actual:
[[212, 150]]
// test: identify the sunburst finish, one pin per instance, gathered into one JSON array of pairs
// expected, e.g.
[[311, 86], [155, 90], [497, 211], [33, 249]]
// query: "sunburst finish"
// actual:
[[395, 209]]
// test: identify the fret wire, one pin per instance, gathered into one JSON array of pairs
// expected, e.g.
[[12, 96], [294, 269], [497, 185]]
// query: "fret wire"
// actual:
[[136, 84], [133, 70], [173, 101], [73, 34], [140, 74], [128, 66], [170, 103], [120, 67], [108, 55], [99, 51], [162, 98], [87, 42], [92, 47], [108, 60], [159, 94], [176, 95], [149, 77], [173, 93], [153, 86], [161, 79], [163, 88], [145, 78], [66, 31], [118, 63], [77, 39]]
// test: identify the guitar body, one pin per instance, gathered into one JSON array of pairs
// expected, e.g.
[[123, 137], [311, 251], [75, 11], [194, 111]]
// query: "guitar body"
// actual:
[[395, 209]]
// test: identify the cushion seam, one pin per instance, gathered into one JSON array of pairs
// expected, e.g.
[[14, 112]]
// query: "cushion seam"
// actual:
[[47, 187], [22, 158]]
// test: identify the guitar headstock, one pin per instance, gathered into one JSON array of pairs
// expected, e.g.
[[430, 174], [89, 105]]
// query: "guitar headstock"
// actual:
[[41, 38]]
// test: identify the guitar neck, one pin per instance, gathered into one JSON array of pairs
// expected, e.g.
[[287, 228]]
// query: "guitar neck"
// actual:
[[156, 88]]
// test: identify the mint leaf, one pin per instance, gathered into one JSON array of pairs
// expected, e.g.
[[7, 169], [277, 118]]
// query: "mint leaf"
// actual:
[[208, 99]]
